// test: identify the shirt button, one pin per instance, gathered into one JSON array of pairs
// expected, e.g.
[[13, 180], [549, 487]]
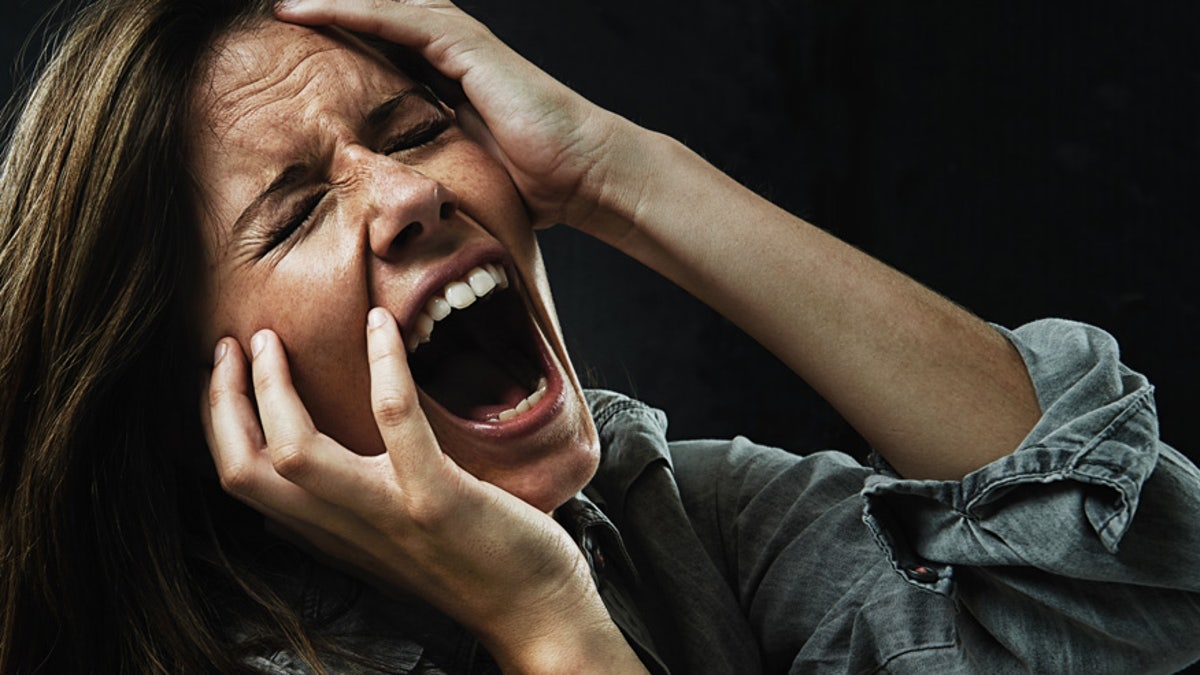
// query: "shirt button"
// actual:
[[595, 557], [922, 573]]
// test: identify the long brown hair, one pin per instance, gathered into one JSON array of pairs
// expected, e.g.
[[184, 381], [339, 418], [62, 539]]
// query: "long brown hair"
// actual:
[[106, 493]]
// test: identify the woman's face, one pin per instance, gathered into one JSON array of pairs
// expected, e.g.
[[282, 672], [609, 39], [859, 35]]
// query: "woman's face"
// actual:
[[331, 184]]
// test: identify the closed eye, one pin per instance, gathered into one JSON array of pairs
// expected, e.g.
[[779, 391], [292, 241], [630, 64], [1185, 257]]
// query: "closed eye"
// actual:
[[300, 214], [417, 136], [414, 137]]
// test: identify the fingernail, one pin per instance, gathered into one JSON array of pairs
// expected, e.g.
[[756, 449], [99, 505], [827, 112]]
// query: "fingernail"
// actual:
[[285, 4], [258, 342], [220, 352], [377, 317]]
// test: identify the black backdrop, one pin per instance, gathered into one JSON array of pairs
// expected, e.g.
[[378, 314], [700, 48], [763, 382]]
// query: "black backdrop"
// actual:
[[1025, 158]]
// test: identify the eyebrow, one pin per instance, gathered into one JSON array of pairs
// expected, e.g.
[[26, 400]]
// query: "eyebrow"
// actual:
[[287, 179], [295, 174], [381, 113]]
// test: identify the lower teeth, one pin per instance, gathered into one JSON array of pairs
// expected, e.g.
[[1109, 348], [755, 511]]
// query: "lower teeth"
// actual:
[[525, 404]]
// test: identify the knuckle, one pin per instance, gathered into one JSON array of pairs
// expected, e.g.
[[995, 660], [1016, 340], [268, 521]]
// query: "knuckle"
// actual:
[[264, 378], [428, 512], [219, 395], [291, 460], [381, 357], [434, 508], [393, 408], [237, 479]]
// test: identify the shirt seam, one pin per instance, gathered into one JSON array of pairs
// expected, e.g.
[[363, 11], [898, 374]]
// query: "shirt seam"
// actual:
[[606, 415], [1076, 466], [912, 650]]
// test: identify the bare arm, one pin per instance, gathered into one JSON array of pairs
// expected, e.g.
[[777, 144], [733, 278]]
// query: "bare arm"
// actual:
[[934, 389]]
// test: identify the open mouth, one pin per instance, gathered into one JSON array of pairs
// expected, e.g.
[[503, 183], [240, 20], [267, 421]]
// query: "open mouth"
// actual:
[[474, 350]]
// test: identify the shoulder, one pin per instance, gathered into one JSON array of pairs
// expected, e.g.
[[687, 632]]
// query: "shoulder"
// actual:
[[740, 479]]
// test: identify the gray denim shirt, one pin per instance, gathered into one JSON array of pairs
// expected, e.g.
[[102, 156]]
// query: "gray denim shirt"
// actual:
[[1077, 553]]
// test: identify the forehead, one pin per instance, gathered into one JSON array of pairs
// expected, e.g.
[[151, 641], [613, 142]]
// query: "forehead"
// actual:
[[281, 76], [272, 96]]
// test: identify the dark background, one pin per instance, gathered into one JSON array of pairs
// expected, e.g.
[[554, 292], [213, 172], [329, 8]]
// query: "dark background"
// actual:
[[1024, 158]]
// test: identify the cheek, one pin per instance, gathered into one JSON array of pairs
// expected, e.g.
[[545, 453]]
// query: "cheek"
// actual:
[[317, 303], [329, 366], [322, 322], [488, 195]]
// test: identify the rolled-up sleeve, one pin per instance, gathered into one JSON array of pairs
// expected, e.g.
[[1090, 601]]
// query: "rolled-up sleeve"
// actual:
[[1089, 532]]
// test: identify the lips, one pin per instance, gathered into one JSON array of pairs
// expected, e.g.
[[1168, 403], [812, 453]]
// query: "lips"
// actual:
[[477, 354]]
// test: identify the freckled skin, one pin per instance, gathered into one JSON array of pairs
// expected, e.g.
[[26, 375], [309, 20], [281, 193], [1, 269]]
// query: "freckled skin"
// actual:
[[280, 94]]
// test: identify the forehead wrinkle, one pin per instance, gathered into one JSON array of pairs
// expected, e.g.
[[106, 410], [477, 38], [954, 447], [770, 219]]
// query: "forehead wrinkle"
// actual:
[[264, 71], [254, 94], [226, 110], [248, 85]]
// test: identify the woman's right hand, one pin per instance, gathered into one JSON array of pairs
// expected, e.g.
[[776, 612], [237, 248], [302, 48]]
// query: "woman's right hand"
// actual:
[[563, 152], [411, 518]]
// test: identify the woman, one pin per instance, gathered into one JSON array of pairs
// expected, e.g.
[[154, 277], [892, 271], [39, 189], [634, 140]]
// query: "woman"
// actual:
[[390, 390]]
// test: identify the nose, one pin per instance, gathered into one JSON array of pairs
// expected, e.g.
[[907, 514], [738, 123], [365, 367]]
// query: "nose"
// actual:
[[404, 205]]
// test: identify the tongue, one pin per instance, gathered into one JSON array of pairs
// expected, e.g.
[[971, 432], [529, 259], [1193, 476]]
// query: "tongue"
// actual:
[[472, 386]]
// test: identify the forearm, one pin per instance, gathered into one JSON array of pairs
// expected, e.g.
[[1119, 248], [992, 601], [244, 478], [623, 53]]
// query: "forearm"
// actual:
[[934, 389]]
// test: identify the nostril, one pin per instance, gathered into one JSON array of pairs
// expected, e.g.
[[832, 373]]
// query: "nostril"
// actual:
[[447, 210], [409, 233]]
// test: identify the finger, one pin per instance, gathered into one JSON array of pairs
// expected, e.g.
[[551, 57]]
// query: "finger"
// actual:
[[338, 477], [297, 451], [236, 441], [231, 427], [409, 24], [411, 444], [285, 421], [445, 36], [235, 437]]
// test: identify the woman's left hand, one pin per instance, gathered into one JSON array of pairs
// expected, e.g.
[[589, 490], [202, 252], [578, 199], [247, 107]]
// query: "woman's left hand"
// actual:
[[934, 389]]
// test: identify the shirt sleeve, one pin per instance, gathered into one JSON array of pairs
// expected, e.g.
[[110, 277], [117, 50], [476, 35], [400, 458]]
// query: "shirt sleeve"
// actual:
[[1087, 535]]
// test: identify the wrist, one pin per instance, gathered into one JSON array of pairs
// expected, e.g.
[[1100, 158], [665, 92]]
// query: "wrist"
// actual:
[[565, 629], [624, 176]]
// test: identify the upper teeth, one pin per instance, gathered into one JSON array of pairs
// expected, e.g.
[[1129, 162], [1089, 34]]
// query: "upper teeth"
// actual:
[[460, 294]]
